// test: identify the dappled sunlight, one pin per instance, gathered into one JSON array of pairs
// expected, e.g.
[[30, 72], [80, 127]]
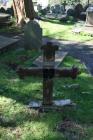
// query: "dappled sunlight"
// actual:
[[27, 123], [20, 122], [38, 129], [63, 32], [43, 127], [33, 86], [85, 75]]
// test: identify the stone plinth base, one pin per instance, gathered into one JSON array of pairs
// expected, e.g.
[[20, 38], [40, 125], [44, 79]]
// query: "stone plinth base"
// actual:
[[57, 104]]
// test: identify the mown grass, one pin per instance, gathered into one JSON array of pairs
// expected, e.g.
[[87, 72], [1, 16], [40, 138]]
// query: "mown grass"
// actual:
[[17, 122], [54, 29], [63, 31]]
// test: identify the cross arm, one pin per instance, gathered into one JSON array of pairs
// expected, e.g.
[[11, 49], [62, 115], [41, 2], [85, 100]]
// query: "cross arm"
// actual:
[[73, 72], [33, 71], [38, 72]]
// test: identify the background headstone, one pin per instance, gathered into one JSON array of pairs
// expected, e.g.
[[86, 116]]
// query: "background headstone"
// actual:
[[78, 10], [62, 9], [52, 9], [39, 7], [33, 35], [10, 11], [2, 10], [70, 12], [57, 9]]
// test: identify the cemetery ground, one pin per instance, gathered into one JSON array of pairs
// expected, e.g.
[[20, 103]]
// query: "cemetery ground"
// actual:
[[17, 121]]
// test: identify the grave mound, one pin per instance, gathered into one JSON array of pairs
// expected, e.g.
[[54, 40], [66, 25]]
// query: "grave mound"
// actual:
[[71, 130]]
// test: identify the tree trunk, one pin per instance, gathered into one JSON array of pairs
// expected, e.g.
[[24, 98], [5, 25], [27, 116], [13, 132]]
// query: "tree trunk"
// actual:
[[23, 9], [29, 8], [88, 2]]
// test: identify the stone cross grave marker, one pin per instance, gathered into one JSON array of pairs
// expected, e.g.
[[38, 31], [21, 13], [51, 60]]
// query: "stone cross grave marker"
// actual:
[[33, 35], [48, 72]]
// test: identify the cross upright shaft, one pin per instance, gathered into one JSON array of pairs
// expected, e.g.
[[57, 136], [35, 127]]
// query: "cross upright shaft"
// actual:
[[48, 71]]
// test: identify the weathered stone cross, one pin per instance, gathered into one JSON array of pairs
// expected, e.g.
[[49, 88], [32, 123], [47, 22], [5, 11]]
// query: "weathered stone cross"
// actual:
[[48, 72]]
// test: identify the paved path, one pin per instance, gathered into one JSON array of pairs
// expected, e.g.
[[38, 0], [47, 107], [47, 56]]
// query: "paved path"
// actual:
[[82, 51]]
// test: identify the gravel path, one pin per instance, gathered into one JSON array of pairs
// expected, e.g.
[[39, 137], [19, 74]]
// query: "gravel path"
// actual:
[[82, 51]]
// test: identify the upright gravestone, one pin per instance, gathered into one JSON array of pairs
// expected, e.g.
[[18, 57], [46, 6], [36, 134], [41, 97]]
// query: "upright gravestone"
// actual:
[[57, 9], [78, 9], [62, 9], [89, 16], [33, 35], [52, 10]]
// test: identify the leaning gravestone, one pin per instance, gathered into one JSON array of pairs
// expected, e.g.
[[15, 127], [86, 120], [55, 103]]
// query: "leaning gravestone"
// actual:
[[33, 35]]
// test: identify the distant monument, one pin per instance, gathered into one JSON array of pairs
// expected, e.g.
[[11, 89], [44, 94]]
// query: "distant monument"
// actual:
[[89, 16]]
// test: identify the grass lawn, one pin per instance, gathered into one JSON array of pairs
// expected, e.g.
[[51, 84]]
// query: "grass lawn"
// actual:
[[17, 122], [63, 31]]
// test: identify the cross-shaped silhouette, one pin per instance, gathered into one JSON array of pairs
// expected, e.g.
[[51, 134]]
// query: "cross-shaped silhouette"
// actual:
[[48, 72]]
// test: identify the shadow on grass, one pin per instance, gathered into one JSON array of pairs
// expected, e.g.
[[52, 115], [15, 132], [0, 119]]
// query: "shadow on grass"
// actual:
[[21, 94], [82, 114], [23, 91], [68, 43]]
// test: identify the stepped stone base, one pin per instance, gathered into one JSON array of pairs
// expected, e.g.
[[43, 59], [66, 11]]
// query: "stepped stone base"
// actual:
[[59, 57], [5, 42], [5, 19]]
